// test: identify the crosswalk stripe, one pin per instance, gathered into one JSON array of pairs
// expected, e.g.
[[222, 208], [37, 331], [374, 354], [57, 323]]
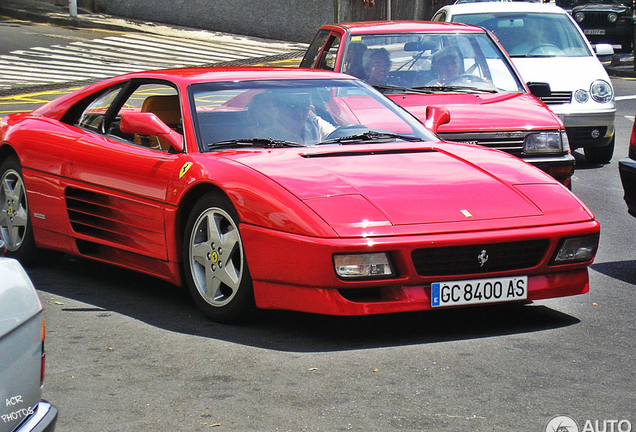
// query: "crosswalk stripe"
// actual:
[[197, 52], [132, 52], [58, 65], [128, 52]]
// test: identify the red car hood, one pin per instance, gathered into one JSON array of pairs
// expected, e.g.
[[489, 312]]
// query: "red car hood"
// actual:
[[494, 111], [394, 188]]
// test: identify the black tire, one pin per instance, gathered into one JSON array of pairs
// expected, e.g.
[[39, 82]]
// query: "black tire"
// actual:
[[215, 268], [600, 155], [15, 222], [626, 45]]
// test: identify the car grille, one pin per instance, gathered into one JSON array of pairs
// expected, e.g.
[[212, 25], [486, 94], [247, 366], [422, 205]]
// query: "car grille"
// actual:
[[463, 260], [596, 20], [557, 98], [510, 142]]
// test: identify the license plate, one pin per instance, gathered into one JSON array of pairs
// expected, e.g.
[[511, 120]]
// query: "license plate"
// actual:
[[477, 291], [600, 32]]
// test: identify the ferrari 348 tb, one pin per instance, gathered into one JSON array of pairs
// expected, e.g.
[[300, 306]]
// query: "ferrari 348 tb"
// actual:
[[288, 189]]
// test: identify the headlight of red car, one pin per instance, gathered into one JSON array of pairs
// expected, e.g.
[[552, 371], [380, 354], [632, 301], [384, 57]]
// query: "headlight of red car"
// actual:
[[364, 265], [576, 249], [546, 143]]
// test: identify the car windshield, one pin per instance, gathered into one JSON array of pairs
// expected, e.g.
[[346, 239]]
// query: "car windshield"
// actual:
[[531, 34], [286, 113], [432, 62]]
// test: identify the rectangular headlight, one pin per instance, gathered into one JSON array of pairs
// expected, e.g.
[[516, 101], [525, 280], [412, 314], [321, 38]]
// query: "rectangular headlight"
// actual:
[[576, 249], [364, 265], [543, 143]]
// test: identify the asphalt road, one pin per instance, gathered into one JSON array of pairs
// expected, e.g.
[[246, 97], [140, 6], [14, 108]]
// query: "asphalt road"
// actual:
[[127, 352]]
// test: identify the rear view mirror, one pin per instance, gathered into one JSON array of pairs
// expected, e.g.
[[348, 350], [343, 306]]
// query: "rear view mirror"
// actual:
[[539, 89], [419, 46], [435, 117], [147, 123], [510, 23]]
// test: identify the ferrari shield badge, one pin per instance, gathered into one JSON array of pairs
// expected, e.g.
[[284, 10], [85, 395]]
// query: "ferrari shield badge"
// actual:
[[184, 169]]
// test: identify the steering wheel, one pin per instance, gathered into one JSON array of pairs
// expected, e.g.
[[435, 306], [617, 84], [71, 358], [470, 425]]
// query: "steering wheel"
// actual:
[[465, 79], [545, 49], [347, 130]]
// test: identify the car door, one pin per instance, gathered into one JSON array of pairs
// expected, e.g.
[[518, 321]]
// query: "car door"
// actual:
[[116, 184], [323, 51]]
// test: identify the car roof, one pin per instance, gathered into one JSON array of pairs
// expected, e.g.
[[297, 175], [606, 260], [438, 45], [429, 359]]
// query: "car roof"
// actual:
[[186, 76], [491, 7], [404, 27], [207, 74]]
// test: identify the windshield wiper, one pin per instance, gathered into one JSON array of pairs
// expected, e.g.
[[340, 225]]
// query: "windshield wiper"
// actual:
[[447, 88], [369, 136], [533, 55], [253, 142], [383, 88]]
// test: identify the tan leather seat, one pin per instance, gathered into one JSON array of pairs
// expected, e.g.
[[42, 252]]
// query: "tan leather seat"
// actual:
[[167, 108]]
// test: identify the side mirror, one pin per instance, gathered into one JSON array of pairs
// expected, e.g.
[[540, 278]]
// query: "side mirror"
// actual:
[[603, 49], [435, 117], [147, 123], [539, 89]]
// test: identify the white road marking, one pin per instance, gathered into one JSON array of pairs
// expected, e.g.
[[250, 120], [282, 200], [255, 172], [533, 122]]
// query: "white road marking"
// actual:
[[130, 52]]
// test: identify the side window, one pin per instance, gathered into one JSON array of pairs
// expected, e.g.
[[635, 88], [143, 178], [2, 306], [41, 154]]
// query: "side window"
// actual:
[[159, 99], [441, 16], [330, 53], [312, 54], [92, 118]]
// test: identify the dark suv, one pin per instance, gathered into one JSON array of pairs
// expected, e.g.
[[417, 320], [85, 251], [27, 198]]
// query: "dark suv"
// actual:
[[606, 21]]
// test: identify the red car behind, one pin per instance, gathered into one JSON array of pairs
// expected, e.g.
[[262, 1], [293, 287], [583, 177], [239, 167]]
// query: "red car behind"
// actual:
[[488, 102]]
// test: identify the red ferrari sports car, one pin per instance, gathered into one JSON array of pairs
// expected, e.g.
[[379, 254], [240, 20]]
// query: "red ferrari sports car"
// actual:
[[289, 189]]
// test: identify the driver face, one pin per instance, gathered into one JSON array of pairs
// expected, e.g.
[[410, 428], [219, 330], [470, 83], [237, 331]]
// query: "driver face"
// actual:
[[449, 66]]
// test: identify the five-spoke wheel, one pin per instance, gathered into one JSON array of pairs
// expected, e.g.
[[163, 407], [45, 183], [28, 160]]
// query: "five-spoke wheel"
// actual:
[[215, 267], [15, 226]]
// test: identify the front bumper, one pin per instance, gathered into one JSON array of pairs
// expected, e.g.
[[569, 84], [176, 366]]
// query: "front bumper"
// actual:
[[559, 167], [587, 129], [627, 171], [299, 275], [395, 299], [614, 35], [43, 419]]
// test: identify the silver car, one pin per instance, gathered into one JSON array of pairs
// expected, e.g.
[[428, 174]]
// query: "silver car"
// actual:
[[21, 353]]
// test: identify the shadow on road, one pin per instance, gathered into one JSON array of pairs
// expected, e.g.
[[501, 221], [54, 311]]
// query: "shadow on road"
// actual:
[[103, 288], [622, 270]]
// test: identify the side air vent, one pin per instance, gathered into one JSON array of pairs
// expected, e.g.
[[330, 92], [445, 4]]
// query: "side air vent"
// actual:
[[117, 222]]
